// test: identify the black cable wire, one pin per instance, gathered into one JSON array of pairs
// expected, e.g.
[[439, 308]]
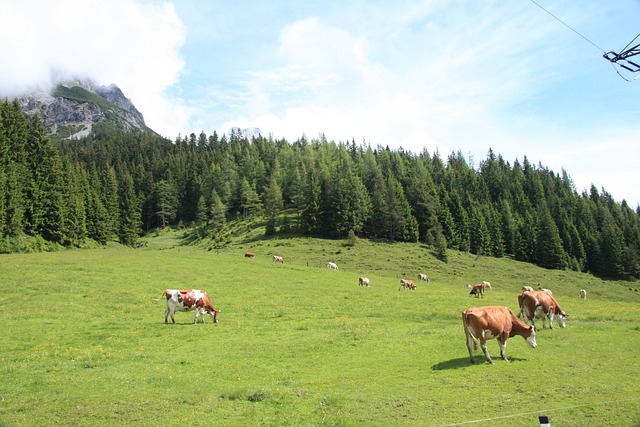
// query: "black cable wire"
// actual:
[[629, 44], [566, 25]]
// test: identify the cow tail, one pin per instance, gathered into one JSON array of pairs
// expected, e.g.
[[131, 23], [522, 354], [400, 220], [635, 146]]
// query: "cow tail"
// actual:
[[164, 293], [465, 323]]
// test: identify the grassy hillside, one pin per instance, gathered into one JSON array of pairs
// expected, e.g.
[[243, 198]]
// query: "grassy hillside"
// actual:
[[85, 341]]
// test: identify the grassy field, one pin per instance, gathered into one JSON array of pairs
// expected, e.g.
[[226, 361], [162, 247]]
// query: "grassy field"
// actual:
[[85, 342]]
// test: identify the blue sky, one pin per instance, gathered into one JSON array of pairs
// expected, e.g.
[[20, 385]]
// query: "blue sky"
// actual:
[[445, 75]]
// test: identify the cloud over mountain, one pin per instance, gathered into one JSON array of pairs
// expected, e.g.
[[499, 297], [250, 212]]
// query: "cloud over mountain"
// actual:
[[133, 44]]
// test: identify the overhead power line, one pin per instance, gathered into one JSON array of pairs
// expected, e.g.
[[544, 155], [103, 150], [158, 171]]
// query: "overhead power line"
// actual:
[[620, 59], [567, 25]]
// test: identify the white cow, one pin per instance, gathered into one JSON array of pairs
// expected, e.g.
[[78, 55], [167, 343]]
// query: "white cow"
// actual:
[[583, 294], [364, 281], [332, 266]]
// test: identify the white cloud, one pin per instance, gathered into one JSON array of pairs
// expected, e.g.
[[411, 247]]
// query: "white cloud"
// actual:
[[357, 85], [130, 43]]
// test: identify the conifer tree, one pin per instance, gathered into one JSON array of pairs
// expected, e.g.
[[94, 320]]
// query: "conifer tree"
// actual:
[[249, 199], [164, 202], [74, 217], [55, 206], [374, 181], [272, 205], [310, 217], [130, 215], [218, 211], [611, 243], [96, 214], [14, 205], [201, 211], [110, 200], [549, 252], [479, 236]]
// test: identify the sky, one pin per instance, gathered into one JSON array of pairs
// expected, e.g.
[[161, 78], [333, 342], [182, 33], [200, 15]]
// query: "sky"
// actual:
[[521, 78]]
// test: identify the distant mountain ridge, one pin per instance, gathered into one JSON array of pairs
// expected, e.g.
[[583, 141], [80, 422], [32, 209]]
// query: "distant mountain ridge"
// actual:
[[71, 110], [248, 133]]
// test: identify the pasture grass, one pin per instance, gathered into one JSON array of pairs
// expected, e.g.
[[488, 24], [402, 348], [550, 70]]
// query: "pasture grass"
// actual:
[[85, 341]]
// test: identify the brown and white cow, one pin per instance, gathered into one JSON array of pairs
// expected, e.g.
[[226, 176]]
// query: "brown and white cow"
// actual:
[[540, 304], [485, 323], [583, 294], [279, 259], [364, 281], [423, 277], [477, 290], [187, 300], [407, 284], [249, 255]]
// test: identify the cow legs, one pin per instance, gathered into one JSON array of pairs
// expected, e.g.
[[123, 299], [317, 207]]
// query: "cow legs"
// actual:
[[483, 344], [503, 349], [470, 342], [471, 359], [168, 313], [467, 333]]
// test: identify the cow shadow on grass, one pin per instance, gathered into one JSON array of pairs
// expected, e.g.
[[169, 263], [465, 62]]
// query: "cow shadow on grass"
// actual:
[[463, 362], [188, 324]]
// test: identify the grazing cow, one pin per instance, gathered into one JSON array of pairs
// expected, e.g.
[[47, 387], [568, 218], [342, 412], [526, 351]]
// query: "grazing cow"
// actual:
[[527, 289], [423, 277], [547, 291], [364, 281], [279, 259], [583, 294], [332, 266], [407, 284], [187, 300], [540, 304], [485, 323], [477, 290], [249, 255]]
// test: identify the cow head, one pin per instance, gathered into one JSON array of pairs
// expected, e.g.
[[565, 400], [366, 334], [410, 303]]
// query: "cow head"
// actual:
[[562, 319], [531, 339]]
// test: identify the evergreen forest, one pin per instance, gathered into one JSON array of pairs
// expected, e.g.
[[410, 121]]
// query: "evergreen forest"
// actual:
[[116, 186]]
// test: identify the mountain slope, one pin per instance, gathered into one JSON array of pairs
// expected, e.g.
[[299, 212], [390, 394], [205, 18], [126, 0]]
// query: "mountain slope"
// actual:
[[71, 110]]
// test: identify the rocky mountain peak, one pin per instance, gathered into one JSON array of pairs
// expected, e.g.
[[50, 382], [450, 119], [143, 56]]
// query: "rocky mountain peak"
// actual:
[[72, 109]]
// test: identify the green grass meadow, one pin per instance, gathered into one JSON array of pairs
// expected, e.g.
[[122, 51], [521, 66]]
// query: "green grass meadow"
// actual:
[[84, 340]]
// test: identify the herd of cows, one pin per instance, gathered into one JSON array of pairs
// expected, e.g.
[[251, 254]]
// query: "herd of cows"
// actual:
[[485, 323], [480, 323]]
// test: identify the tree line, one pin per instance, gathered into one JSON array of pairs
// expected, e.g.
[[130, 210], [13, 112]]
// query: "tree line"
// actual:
[[114, 186]]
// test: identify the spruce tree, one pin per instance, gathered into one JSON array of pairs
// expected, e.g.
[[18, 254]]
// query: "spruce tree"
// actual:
[[272, 205], [165, 202], [549, 252], [130, 215]]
